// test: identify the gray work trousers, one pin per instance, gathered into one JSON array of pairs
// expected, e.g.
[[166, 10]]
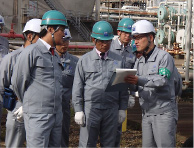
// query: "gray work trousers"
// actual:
[[118, 137], [43, 130], [15, 132], [159, 130], [102, 123], [65, 123]]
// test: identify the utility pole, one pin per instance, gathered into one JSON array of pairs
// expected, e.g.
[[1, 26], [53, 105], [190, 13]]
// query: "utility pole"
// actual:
[[108, 9], [188, 40], [119, 9], [97, 10]]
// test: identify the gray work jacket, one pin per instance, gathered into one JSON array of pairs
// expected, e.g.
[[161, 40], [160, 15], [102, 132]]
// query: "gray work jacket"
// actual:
[[126, 53], [37, 80], [4, 42], [7, 66], [4, 47], [91, 78], [156, 92], [69, 62]]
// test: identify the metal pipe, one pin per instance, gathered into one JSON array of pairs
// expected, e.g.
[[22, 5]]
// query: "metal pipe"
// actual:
[[97, 10], [188, 40], [108, 10], [119, 9], [80, 47], [132, 17], [12, 35]]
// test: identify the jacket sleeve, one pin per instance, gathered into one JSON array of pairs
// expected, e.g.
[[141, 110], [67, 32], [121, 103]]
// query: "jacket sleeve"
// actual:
[[123, 97], [123, 100], [5, 73], [160, 78], [21, 74], [78, 88]]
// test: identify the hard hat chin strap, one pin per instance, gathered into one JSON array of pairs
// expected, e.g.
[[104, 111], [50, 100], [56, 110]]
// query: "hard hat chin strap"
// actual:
[[52, 34], [59, 51], [33, 36]]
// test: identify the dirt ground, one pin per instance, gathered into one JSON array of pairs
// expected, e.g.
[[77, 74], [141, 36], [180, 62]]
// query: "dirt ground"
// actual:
[[132, 136]]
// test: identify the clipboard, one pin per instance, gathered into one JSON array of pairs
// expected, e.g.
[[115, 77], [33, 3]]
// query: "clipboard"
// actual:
[[120, 85]]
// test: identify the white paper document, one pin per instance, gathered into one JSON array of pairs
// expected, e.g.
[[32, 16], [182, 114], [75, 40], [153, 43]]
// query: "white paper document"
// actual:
[[121, 74]]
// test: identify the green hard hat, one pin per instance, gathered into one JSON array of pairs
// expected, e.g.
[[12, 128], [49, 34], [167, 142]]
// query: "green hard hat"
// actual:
[[54, 17], [102, 30], [125, 25]]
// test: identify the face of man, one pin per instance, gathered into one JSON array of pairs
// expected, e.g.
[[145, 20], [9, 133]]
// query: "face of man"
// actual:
[[59, 35], [63, 48], [141, 41], [103, 45], [124, 37]]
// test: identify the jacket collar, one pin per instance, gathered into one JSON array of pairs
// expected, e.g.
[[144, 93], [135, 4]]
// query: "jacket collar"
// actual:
[[41, 46], [152, 57], [95, 56], [118, 45]]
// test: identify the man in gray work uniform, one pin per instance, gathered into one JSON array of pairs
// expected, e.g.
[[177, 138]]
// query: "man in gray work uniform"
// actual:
[[69, 62], [121, 46], [15, 131], [38, 83], [4, 49], [98, 112], [155, 84]]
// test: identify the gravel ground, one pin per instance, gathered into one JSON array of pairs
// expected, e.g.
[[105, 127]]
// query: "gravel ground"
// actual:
[[130, 138]]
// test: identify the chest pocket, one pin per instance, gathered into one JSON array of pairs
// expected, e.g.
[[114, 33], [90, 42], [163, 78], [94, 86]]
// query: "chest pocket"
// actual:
[[68, 69], [91, 72], [112, 68], [43, 64], [153, 69], [42, 68], [68, 75]]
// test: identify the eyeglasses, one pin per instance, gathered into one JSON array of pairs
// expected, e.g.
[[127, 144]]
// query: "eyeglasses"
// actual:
[[62, 28], [66, 39], [126, 33], [139, 37]]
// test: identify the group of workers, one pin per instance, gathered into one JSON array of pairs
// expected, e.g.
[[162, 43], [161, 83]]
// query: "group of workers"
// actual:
[[45, 77]]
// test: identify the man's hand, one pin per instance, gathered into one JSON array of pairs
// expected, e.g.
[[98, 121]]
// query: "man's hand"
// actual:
[[131, 79], [122, 116], [80, 118], [19, 114]]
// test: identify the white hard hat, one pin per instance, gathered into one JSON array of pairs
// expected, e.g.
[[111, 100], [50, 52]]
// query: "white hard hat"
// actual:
[[33, 25], [67, 34], [142, 26], [2, 22]]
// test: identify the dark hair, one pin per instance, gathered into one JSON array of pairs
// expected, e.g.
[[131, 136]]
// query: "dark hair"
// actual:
[[44, 31], [152, 33], [25, 34]]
